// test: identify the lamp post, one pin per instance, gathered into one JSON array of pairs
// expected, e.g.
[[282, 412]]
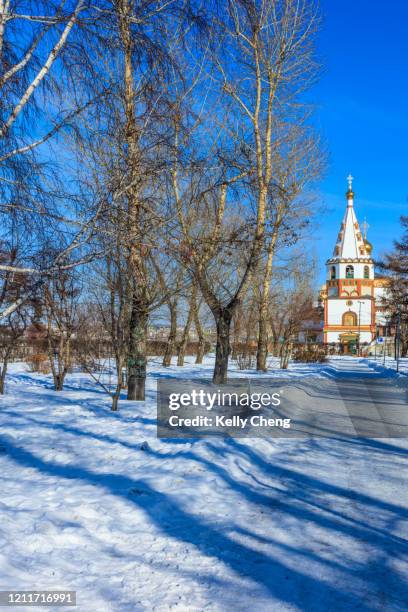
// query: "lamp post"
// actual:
[[385, 337], [359, 325], [397, 338], [376, 340]]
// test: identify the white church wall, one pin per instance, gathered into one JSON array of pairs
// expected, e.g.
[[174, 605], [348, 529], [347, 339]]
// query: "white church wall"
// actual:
[[336, 309], [365, 315]]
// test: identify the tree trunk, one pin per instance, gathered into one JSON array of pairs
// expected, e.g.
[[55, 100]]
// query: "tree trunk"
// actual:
[[3, 372], [237, 333], [171, 340], [246, 349], [115, 399], [223, 348], [59, 363], [186, 332], [262, 350], [136, 365], [200, 335], [200, 350], [403, 340], [119, 385], [137, 351], [59, 382], [285, 355]]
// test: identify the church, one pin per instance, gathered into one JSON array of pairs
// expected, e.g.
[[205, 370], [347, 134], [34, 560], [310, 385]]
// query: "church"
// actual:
[[352, 296]]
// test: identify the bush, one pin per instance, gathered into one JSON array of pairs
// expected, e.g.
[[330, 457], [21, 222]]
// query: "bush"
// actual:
[[309, 354], [38, 362]]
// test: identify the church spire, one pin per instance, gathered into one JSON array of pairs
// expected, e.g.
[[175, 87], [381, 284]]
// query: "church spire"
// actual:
[[350, 193], [350, 242]]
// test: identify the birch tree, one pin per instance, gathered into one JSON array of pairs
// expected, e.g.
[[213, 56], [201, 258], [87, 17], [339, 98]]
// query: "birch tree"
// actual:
[[60, 305], [137, 52], [262, 66], [297, 164], [37, 54]]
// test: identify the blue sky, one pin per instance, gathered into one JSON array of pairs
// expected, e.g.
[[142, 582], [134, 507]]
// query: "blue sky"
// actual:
[[362, 104]]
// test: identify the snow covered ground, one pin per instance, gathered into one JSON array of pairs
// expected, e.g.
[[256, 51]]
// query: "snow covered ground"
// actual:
[[388, 364], [92, 501]]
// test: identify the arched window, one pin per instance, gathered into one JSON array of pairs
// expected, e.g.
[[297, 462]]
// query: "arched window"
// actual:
[[332, 272], [366, 272], [349, 272], [349, 319]]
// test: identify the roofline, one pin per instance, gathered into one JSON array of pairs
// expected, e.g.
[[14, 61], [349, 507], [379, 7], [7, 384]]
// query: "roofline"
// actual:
[[349, 260]]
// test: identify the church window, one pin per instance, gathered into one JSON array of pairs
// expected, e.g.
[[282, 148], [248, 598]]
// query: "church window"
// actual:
[[366, 272], [349, 319], [349, 272], [332, 272]]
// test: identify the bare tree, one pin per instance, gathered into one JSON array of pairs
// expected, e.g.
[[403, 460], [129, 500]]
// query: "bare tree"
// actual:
[[26, 63], [192, 307], [263, 65], [172, 303], [297, 165], [137, 43], [60, 305], [38, 52], [170, 277], [395, 300], [291, 304], [14, 325]]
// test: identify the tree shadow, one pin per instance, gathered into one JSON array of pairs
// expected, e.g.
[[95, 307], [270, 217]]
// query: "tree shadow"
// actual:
[[304, 499]]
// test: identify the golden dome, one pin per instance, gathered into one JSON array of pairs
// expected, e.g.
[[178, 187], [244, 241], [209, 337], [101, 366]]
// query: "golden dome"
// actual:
[[368, 246]]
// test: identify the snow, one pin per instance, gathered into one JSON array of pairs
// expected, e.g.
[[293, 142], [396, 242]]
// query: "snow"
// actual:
[[92, 501], [389, 366]]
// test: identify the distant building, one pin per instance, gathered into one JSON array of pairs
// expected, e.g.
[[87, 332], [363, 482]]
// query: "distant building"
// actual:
[[352, 296]]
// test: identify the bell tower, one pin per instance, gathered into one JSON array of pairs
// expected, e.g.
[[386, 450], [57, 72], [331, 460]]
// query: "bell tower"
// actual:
[[348, 296]]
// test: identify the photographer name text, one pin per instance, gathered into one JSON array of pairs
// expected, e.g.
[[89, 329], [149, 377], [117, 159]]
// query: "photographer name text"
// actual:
[[222, 421]]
